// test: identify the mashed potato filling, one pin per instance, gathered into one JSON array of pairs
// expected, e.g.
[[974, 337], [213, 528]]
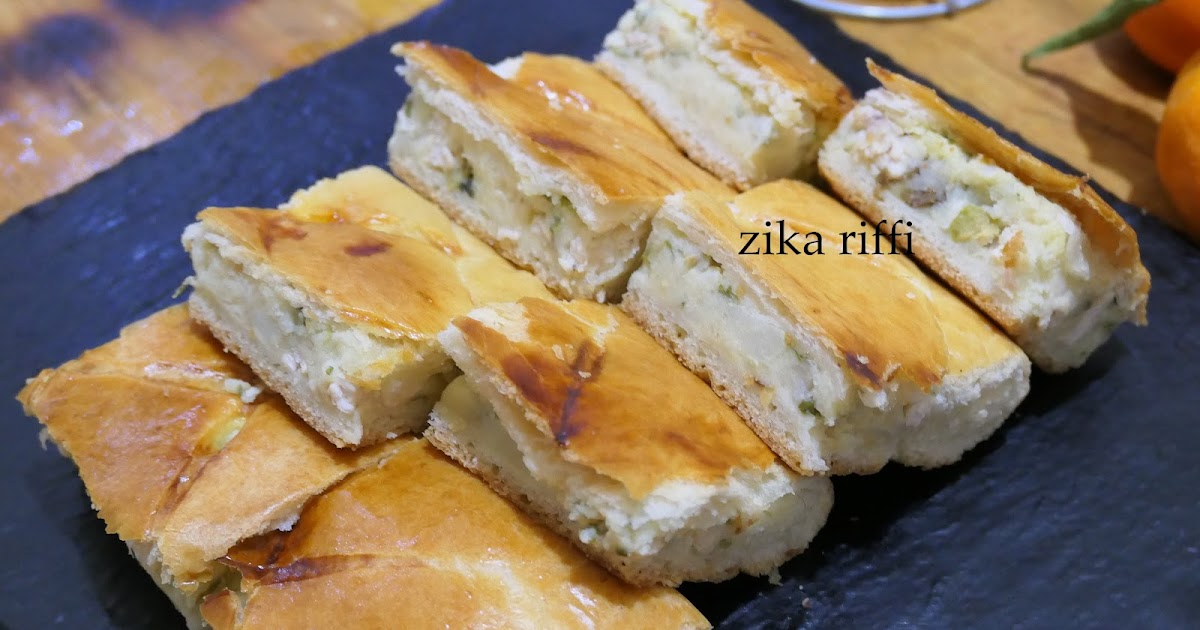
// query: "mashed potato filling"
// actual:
[[788, 383], [1025, 250], [537, 229], [679, 523], [664, 45], [372, 384]]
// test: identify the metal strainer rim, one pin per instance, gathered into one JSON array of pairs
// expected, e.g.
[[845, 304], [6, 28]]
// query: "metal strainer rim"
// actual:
[[890, 12]]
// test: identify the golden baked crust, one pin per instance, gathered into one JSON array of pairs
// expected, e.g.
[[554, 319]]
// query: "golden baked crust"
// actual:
[[413, 268], [399, 283], [422, 543], [573, 82], [152, 422], [765, 44], [886, 319], [620, 163], [589, 379], [1105, 229], [372, 198]]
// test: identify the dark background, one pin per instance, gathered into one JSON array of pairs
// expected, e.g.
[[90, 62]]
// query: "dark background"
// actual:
[[1083, 512]]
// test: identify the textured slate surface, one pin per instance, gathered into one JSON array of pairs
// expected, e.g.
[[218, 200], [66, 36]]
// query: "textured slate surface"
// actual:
[[1083, 512]]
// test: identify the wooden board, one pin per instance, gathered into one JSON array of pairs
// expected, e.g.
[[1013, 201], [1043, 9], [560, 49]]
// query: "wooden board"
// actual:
[[83, 83], [1096, 106]]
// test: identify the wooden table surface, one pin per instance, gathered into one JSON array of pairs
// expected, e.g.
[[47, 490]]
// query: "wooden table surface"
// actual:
[[85, 82]]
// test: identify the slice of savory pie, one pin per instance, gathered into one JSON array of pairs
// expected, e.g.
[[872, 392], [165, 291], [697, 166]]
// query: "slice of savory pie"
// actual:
[[562, 189], [736, 91], [1036, 249], [578, 415], [211, 482], [839, 362], [335, 301], [182, 453]]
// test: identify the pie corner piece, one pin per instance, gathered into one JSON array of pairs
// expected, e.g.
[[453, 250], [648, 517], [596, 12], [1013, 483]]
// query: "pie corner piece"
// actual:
[[198, 424]]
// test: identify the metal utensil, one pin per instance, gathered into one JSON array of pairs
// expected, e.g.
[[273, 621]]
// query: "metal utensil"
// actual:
[[890, 11]]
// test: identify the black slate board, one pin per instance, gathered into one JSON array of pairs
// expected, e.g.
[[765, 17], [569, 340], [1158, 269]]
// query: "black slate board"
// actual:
[[1083, 512]]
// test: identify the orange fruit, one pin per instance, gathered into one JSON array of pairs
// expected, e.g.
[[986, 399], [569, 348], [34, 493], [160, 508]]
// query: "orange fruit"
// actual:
[[1168, 32], [1178, 149]]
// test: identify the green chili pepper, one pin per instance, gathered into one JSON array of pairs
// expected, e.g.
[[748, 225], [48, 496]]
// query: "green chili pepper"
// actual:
[[1109, 19]]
